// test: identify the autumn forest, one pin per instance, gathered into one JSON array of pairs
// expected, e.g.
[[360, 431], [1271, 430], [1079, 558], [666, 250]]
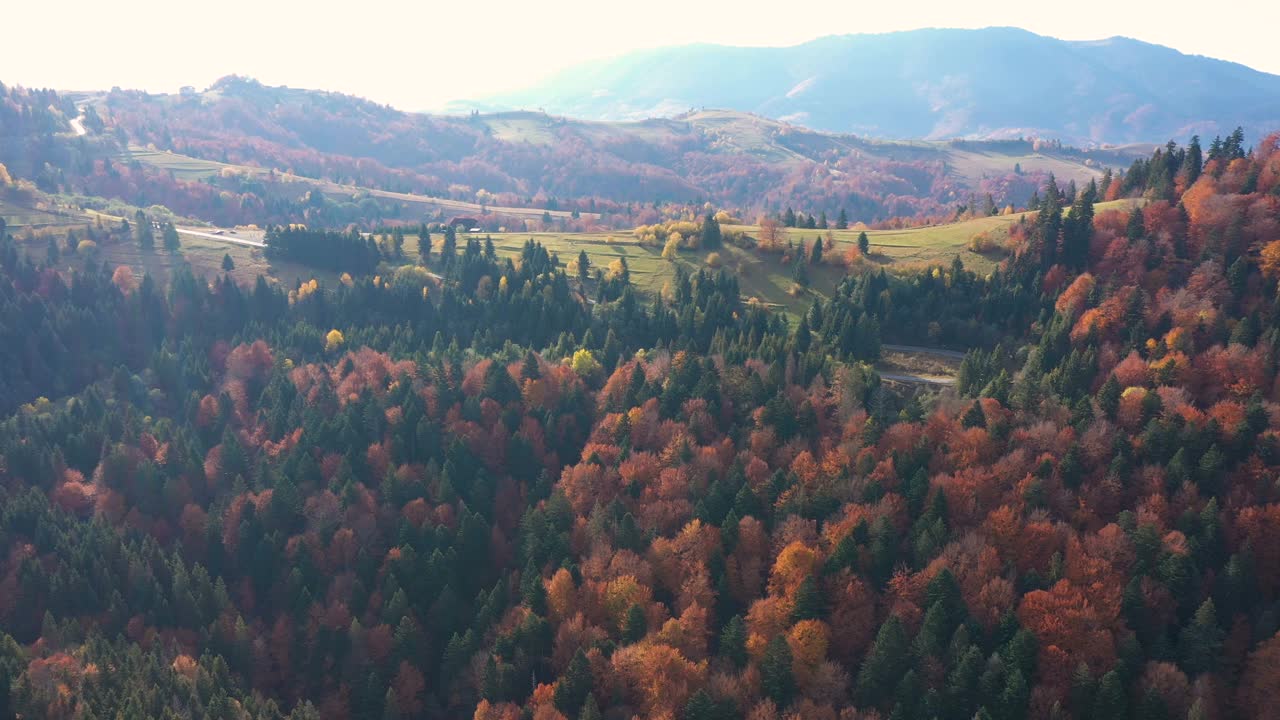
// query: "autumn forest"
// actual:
[[464, 483]]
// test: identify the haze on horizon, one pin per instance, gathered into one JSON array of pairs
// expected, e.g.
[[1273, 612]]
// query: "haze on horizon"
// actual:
[[421, 58]]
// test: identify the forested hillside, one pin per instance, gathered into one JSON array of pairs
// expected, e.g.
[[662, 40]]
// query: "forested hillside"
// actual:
[[626, 172], [463, 489]]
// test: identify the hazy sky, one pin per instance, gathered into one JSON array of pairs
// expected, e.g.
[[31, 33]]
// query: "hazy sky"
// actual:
[[420, 54]]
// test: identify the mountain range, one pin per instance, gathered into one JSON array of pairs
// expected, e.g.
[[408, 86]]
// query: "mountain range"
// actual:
[[992, 83]]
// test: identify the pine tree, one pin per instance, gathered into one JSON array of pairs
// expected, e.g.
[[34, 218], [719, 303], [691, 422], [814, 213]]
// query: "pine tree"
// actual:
[[391, 705], [584, 265], [1193, 161], [800, 270], [974, 417], [532, 591], [530, 370], [1083, 690], [1200, 643], [424, 245], [885, 663], [227, 263], [590, 710], [700, 707], [733, 642], [142, 232], [711, 236], [574, 685], [816, 256], [1110, 703], [636, 625], [170, 234], [842, 222], [776, 680], [1109, 396], [1014, 697], [864, 243], [449, 247], [808, 604]]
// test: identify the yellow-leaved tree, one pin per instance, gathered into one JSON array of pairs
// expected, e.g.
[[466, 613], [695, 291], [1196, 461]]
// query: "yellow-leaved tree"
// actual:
[[584, 363], [1270, 259], [334, 341], [671, 250]]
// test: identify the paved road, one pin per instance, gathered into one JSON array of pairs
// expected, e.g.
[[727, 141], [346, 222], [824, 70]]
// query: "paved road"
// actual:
[[223, 238], [77, 126], [948, 354]]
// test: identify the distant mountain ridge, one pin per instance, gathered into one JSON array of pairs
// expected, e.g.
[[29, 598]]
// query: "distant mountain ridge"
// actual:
[[938, 84]]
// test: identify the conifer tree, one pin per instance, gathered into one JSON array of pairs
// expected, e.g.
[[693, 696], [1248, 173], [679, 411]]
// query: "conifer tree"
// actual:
[[776, 679]]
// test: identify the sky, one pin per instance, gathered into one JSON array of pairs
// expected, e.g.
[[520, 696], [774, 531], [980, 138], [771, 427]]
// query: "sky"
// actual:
[[421, 54]]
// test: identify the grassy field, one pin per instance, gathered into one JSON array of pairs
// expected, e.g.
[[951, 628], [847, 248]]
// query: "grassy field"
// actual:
[[764, 276], [973, 165], [203, 254], [22, 215], [183, 167]]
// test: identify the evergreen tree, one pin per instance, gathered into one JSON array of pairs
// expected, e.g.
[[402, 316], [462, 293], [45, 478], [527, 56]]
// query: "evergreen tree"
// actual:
[[800, 270], [885, 663], [171, 240], [530, 370], [636, 625], [864, 243], [532, 591], [842, 222], [1193, 161], [1200, 643], [974, 417], [711, 236], [701, 707], [808, 603], [1109, 396], [574, 685], [1110, 702], [449, 247], [733, 642], [590, 710], [776, 679], [143, 233], [227, 263], [424, 245]]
